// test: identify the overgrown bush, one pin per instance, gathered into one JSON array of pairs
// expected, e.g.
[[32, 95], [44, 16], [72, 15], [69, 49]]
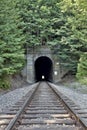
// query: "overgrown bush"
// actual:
[[5, 83], [84, 80], [82, 69]]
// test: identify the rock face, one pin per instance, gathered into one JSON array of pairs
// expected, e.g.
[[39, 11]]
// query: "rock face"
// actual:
[[17, 81], [35, 54]]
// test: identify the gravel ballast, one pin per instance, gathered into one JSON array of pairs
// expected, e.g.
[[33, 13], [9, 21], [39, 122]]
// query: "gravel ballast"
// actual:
[[78, 98], [10, 98]]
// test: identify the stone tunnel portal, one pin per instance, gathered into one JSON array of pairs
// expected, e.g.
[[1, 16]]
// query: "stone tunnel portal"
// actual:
[[43, 69]]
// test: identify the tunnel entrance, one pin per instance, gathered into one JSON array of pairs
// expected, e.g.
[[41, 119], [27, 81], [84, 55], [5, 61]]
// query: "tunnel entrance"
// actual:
[[43, 69]]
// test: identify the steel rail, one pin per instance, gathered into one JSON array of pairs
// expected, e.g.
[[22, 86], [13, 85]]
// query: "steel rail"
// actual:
[[70, 109], [28, 100]]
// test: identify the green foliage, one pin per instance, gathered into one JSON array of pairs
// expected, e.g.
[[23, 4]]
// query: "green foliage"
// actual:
[[39, 18], [60, 24], [5, 83], [11, 40], [82, 66], [72, 40], [82, 69], [83, 80]]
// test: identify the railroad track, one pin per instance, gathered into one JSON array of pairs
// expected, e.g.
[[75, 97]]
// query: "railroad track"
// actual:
[[44, 108]]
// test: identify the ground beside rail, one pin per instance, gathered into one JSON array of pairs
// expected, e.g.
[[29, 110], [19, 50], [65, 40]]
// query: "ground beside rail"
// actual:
[[10, 98]]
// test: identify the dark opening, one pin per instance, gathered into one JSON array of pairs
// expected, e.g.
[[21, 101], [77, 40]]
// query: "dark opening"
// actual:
[[43, 69]]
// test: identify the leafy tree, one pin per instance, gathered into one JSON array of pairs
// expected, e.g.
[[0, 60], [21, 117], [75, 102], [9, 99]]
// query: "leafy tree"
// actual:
[[60, 24], [39, 18], [11, 40], [82, 69], [73, 39]]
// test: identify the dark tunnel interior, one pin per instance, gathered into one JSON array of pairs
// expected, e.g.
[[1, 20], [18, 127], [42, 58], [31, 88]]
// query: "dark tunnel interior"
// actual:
[[43, 69]]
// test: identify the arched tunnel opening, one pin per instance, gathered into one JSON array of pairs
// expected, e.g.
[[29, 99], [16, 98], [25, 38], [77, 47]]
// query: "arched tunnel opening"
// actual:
[[43, 69]]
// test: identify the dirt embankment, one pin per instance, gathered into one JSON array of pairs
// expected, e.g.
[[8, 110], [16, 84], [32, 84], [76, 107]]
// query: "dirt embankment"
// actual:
[[17, 81], [71, 82]]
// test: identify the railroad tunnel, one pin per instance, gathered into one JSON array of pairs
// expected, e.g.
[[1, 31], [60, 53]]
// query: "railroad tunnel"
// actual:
[[43, 69]]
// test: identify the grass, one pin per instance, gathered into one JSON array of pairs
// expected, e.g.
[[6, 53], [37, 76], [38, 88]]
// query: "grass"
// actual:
[[4, 84], [83, 81]]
